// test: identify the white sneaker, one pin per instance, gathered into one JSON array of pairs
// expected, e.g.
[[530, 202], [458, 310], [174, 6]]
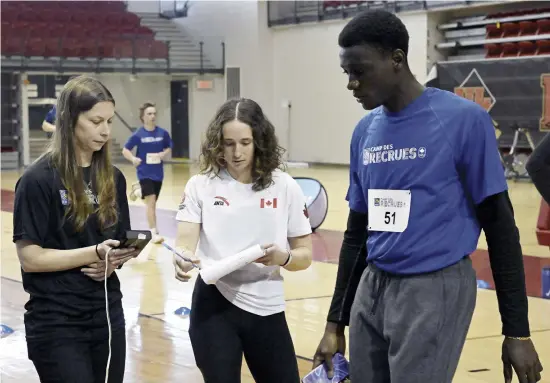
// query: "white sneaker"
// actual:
[[136, 191]]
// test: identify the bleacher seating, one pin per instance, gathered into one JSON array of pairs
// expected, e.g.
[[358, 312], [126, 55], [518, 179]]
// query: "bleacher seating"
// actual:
[[505, 34], [83, 29], [302, 11], [522, 31], [400, 5], [337, 4]]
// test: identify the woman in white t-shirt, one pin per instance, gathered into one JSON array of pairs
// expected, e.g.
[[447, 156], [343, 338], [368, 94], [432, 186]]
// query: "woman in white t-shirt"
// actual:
[[240, 199]]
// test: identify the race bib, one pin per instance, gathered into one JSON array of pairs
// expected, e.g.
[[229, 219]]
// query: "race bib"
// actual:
[[152, 158], [389, 210]]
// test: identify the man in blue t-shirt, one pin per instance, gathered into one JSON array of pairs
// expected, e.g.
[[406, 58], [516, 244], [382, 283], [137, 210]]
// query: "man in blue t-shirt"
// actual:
[[425, 179], [153, 145], [48, 125]]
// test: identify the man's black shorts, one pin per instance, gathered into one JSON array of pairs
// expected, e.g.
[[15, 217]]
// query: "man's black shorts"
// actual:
[[150, 187]]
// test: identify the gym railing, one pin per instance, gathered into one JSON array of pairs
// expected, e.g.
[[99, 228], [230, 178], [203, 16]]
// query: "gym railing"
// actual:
[[102, 54], [298, 11]]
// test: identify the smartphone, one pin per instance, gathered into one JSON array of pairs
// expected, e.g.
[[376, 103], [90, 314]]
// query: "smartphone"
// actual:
[[341, 372], [137, 239]]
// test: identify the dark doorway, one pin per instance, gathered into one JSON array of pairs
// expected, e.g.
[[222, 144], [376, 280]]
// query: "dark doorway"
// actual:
[[179, 93]]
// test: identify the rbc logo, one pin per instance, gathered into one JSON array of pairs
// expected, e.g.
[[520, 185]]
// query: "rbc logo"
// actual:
[[421, 152]]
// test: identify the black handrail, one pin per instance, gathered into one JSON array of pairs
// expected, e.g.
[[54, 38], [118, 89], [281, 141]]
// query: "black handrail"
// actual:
[[124, 122]]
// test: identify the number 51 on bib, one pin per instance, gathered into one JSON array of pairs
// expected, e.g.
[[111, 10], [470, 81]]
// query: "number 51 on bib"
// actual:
[[389, 210]]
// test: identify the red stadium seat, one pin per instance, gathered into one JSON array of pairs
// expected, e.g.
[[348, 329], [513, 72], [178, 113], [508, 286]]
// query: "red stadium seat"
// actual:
[[493, 50], [143, 31], [124, 48], [13, 45], [159, 50], [493, 31], [527, 48], [543, 47], [142, 49], [52, 47], [76, 29], [527, 28], [107, 48], [543, 26], [34, 47], [510, 29], [71, 47], [90, 47], [509, 50]]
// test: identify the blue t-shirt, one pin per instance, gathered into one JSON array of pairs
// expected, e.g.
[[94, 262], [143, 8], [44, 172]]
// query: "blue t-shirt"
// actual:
[[443, 149], [50, 116], [149, 142]]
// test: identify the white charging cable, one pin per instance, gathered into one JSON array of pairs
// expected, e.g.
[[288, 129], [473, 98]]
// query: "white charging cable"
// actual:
[[108, 316]]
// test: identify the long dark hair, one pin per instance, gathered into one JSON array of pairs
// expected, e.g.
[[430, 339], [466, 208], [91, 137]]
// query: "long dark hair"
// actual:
[[79, 95], [267, 152]]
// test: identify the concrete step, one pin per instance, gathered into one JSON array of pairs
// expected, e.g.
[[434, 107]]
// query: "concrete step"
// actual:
[[173, 36], [185, 52], [183, 48], [161, 26], [176, 40]]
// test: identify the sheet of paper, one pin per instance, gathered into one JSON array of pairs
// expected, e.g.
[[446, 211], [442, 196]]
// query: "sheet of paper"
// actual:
[[212, 273]]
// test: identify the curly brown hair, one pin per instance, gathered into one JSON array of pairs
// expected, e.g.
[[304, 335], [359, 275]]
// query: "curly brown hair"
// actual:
[[267, 152]]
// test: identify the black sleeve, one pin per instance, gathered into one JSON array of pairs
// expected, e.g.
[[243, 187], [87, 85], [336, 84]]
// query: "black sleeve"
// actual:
[[496, 216], [352, 262], [538, 167], [31, 210], [123, 209]]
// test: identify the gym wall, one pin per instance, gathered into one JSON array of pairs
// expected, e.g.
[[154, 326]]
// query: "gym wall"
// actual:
[[296, 63]]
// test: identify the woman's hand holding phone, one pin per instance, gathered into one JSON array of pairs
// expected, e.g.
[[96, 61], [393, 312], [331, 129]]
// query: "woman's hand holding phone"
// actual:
[[117, 257]]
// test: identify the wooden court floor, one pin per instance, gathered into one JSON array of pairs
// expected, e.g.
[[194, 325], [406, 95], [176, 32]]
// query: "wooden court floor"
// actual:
[[158, 345]]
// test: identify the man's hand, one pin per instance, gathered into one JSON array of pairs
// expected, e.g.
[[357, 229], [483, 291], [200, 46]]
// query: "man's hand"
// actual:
[[136, 161], [162, 155], [523, 358], [96, 270], [333, 341]]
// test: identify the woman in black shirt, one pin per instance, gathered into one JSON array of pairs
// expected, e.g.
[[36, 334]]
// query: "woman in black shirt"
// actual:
[[70, 211]]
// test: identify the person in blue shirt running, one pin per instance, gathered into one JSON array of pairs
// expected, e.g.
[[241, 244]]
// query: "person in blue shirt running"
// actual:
[[425, 179], [48, 125], [153, 145]]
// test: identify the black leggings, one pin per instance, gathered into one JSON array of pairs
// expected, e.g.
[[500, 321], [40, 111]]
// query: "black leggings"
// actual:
[[221, 333], [70, 360]]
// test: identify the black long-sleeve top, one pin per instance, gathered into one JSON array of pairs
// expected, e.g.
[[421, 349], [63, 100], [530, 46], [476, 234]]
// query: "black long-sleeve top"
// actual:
[[538, 168], [496, 217]]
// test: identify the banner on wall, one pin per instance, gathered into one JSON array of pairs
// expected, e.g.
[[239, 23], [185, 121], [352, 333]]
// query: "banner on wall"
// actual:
[[515, 92]]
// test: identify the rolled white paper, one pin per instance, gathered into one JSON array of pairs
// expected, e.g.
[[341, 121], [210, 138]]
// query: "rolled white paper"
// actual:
[[212, 273]]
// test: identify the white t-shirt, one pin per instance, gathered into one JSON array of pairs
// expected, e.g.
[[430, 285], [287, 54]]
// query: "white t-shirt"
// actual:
[[233, 218]]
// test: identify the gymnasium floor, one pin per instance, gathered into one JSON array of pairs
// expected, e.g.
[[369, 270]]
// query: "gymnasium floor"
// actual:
[[158, 345]]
